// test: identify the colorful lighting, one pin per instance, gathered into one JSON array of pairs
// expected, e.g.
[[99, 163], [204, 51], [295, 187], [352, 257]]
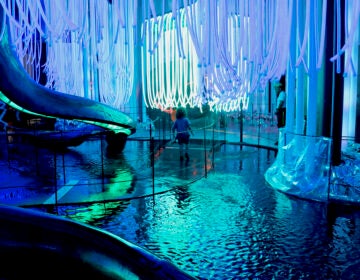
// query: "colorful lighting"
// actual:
[[238, 46], [89, 46], [115, 128]]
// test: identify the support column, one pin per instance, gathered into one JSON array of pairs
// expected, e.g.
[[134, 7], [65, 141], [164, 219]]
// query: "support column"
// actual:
[[329, 72], [313, 76], [338, 93], [357, 123]]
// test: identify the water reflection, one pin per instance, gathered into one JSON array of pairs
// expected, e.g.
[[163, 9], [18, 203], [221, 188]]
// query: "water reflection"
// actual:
[[232, 225], [182, 196]]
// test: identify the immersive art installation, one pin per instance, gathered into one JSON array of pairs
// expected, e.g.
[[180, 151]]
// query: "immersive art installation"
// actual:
[[45, 245], [21, 92], [223, 54], [193, 52]]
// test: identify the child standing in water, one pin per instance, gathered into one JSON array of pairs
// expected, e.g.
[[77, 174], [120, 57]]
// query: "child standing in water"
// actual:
[[183, 130]]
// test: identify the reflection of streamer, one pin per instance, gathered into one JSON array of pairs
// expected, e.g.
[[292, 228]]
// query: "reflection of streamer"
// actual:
[[349, 66]]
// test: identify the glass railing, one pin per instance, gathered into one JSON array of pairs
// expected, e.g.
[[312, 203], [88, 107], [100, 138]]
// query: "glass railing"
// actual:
[[40, 173], [34, 173]]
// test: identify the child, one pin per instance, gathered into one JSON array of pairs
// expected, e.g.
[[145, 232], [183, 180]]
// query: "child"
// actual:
[[182, 127]]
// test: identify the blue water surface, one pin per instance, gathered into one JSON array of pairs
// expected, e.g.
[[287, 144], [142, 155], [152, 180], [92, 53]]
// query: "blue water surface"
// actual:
[[232, 225]]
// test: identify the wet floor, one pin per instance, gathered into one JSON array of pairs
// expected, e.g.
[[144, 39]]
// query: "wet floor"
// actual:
[[91, 172], [229, 224], [214, 216], [35, 175]]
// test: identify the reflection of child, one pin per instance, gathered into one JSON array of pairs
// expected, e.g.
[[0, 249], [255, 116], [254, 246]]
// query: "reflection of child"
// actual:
[[182, 127]]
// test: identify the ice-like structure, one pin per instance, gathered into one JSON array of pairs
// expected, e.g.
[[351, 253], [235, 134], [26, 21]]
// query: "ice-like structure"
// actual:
[[345, 178], [303, 168]]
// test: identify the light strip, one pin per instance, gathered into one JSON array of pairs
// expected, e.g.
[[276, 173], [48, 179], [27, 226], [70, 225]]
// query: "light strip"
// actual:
[[238, 45], [115, 128]]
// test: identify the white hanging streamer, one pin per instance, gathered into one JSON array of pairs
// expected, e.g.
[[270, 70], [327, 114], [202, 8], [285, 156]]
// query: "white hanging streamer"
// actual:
[[203, 51]]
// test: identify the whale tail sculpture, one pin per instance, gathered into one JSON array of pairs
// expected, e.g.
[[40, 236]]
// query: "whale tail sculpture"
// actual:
[[44, 246], [20, 91]]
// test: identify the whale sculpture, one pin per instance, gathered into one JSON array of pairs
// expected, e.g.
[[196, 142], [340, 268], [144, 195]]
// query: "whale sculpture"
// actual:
[[37, 245], [20, 91]]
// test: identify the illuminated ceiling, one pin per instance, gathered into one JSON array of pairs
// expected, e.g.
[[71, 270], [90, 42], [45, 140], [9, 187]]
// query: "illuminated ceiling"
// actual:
[[192, 52]]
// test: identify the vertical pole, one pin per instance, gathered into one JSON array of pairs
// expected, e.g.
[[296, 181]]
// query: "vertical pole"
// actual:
[[64, 168], [259, 115], [159, 130], [313, 75], [241, 122], [63, 159], [213, 146], [55, 181], [152, 159], [357, 121], [338, 93], [224, 126], [205, 151], [252, 112], [8, 148], [35, 132], [290, 79], [163, 130], [300, 82]]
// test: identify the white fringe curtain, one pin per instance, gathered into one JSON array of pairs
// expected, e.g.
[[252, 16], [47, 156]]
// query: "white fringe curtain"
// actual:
[[89, 45], [217, 52]]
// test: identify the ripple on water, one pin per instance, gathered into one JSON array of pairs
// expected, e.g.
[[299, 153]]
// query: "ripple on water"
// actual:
[[232, 225]]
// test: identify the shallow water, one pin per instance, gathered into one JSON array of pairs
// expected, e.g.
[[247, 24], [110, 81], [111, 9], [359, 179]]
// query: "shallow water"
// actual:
[[233, 225]]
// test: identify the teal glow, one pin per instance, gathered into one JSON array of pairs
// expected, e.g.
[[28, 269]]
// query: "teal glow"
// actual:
[[112, 127], [171, 80], [7, 101], [183, 77], [115, 128], [108, 266]]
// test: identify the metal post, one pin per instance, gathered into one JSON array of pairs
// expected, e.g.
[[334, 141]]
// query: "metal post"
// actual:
[[63, 160], [241, 122], [152, 159], [205, 151], [64, 168], [56, 186], [159, 130], [213, 146], [224, 129]]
